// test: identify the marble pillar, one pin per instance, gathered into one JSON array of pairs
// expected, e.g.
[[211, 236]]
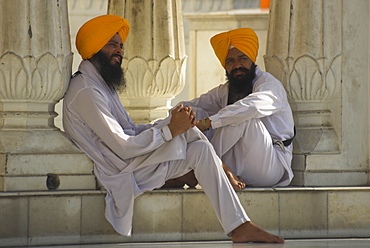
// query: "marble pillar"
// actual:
[[154, 56], [310, 47], [35, 67]]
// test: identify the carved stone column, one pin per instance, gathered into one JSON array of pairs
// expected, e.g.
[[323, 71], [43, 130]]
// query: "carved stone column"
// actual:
[[305, 51], [154, 56], [35, 67]]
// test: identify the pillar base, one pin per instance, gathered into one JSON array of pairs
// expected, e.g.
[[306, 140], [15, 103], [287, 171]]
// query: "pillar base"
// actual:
[[312, 140], [326, 170], [28, 158]]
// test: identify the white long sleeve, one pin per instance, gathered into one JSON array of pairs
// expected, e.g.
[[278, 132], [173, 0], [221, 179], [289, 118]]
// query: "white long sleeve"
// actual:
[[123, 140], [267, 102]]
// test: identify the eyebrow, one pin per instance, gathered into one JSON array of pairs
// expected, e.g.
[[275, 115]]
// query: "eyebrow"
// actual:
[[115, 42]]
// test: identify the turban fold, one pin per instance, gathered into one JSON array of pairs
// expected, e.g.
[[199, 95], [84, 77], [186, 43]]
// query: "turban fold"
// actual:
[[244, 39], [96, 33]]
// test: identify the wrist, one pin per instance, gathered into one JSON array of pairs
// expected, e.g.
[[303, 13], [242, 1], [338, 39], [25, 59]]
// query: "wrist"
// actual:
[[208, 123], [205, 123]]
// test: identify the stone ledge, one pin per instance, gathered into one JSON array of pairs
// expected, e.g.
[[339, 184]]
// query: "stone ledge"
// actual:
[[77, 217], [161, 191]]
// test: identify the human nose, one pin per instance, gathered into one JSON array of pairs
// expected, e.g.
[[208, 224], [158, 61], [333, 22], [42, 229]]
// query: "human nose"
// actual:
[[237, 64], [119, 50]]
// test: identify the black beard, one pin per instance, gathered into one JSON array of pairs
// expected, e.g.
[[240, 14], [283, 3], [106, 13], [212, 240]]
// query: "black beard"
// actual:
[[241, 85], [112, 74]]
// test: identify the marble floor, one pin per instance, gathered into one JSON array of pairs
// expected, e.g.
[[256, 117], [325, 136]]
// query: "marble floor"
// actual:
[[301, 243]]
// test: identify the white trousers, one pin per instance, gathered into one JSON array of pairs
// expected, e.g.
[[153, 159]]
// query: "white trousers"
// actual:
[[248, 150], [207, 166], [208, 170]]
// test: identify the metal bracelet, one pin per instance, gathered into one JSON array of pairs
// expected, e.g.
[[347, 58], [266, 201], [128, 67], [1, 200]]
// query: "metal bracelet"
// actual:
[[163, 137]]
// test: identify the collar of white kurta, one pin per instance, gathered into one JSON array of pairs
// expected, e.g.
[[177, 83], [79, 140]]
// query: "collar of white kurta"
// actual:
[[88, 69]]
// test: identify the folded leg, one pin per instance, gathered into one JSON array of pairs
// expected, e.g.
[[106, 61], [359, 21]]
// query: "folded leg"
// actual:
[[248, 150]]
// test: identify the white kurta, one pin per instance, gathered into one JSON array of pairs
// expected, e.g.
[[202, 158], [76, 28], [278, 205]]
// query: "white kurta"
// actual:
[[244, 130], [130, 159]]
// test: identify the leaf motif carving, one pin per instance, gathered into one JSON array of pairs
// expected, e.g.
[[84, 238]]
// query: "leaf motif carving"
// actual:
[[138, 76], [13, 76], [153, 78], [308, 80], [47, 81], [167, 76]]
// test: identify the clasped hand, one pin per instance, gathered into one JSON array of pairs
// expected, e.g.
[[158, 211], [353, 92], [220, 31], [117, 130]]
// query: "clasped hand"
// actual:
[[182, 118]]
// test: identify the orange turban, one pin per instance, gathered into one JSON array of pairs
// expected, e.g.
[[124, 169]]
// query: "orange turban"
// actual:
[[96, 33], [244, 39]]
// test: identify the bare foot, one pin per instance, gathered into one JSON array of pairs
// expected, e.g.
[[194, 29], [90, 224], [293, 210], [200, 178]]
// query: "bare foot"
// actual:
[[188, 178], [249, 232], [235, 181]]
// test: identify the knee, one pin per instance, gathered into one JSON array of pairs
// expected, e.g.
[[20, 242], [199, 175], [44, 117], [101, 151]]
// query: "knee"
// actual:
[[200, 147], [201, 151]]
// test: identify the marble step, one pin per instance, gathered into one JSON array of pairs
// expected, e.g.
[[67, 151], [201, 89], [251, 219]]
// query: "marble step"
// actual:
[[77, 217]]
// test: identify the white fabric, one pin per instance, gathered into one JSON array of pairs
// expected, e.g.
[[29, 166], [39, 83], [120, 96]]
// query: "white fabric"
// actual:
[[131, 159], [244, 130]]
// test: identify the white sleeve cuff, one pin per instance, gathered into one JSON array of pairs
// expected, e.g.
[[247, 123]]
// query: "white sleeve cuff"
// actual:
[[166, 133], [215, 122]]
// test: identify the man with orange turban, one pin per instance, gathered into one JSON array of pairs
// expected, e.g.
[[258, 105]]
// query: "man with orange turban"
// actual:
[[130, 159], [249, 117]]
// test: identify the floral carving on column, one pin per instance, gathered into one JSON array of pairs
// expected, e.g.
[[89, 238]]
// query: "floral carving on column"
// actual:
[[35, 63], [161, 79], [304, 52], [154, 56], [28, 78], [311, 81]]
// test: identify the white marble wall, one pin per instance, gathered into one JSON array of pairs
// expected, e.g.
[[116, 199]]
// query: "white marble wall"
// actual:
[[35, 68], [327, 81]]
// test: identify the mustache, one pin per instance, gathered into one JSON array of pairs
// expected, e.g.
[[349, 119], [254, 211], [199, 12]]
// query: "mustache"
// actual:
[[245, 70]]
